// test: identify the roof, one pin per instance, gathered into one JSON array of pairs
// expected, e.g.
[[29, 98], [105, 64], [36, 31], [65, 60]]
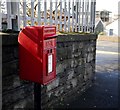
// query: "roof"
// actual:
[[97, 20], [103, 10]]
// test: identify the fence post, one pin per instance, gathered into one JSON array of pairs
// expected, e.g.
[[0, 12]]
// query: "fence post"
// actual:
[[65, 15], [45, 12], [0, 17], [14, 12], [94, 9], [56, 19], [79, 21], [119, 19], [73, 16], [24, 13], [76, 15], [18, 14], [32, 12], [39, 12], [83, 16], [51, 21], [9, 21], [60, 15], [87, 15], [91, 15], [69, 16]]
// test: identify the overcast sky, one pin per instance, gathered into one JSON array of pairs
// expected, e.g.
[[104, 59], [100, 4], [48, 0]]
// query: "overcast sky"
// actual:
[[110, 5]]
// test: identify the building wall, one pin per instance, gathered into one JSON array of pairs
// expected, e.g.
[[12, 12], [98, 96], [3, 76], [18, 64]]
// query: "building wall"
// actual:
[[75, 73], [114, 26]]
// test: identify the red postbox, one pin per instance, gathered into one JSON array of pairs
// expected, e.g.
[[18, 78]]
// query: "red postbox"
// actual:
[[37, 53]]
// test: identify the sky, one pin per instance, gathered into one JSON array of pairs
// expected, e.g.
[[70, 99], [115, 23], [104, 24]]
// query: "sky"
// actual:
[[110, 5]]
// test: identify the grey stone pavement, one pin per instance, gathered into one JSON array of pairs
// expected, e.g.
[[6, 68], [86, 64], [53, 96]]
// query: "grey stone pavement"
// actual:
[[104, 93]]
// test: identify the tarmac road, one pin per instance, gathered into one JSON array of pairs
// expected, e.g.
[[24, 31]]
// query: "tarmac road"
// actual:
[[107, 56], [104, 93]]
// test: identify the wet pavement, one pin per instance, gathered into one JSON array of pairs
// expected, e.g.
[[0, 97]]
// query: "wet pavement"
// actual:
[[104, 92]]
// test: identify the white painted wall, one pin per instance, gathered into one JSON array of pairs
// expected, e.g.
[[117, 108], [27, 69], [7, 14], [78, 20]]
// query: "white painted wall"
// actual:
[[114, 26]]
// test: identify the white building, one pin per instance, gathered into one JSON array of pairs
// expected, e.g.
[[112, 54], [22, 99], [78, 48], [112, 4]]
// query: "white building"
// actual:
[[112, 28]]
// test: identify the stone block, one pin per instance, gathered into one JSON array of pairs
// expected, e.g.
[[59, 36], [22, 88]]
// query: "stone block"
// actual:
[[12, 96], [10, 39], [10, 68], [53, 84], [13, 81], [9, 53], [79, 70], [90, 57], [25, 104], [62, 66]]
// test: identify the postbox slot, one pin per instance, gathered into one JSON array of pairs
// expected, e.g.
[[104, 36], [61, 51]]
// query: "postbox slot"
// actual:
[[49, 32]]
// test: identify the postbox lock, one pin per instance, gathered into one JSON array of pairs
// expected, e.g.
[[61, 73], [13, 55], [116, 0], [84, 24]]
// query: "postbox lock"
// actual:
[[50, 51]]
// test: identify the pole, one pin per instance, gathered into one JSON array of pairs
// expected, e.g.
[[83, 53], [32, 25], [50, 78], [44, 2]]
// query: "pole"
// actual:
[[37, 96]]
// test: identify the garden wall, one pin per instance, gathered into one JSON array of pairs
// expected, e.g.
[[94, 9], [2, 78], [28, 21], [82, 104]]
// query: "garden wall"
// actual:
[[75, 73]]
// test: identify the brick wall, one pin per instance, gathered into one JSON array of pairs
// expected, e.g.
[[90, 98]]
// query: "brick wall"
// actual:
[[75, 73]]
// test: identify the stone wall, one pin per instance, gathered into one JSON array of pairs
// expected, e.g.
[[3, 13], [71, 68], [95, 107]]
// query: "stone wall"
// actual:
[[75, 73], [75, 70], [15, 93]]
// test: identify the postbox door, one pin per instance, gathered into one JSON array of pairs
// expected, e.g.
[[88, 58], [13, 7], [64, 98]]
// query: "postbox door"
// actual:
[[49, 60]]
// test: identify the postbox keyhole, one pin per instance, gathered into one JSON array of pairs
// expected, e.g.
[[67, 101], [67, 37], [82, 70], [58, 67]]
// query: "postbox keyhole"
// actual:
[[50, 51]]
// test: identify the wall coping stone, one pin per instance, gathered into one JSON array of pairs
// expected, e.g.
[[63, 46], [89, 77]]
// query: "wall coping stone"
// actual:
[[72, 38], [11, 38]]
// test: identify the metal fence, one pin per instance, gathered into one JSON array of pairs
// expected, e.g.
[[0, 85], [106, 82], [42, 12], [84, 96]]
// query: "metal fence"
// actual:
[[67, 15]]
